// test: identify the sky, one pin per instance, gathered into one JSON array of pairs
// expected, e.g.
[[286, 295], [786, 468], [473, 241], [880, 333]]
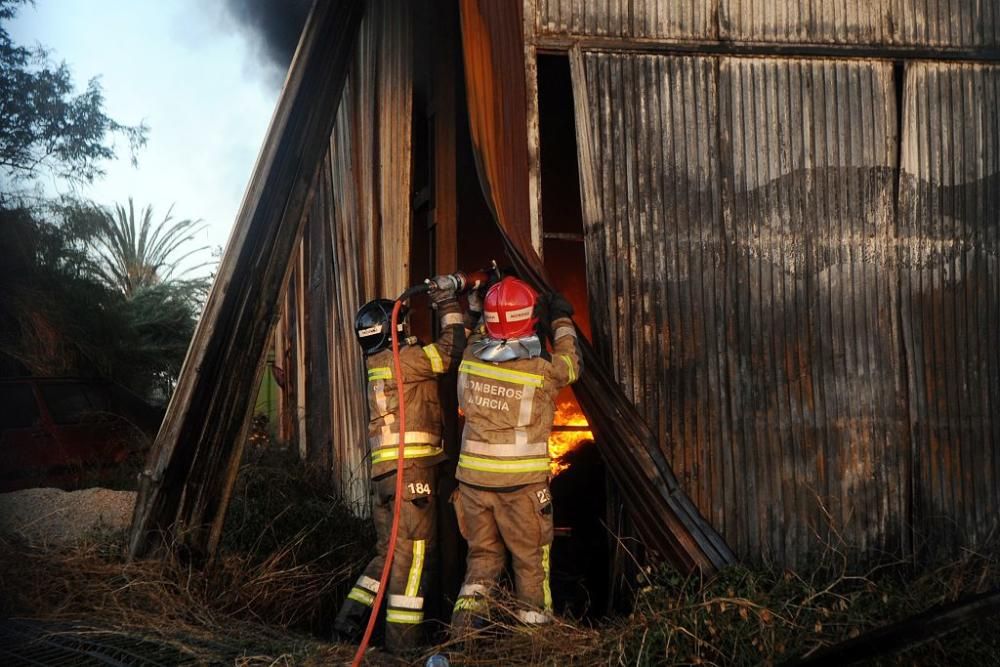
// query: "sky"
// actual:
[[185, 69]]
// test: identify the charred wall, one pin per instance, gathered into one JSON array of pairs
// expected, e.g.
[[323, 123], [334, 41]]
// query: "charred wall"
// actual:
[[803, 319], [935, 24]]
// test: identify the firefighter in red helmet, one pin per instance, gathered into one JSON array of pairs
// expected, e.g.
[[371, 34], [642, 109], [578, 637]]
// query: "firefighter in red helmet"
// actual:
[[423, 452], [507, 385]]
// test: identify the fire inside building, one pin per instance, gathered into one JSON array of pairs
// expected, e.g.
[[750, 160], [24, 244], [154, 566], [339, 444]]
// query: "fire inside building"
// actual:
[[780, 234]]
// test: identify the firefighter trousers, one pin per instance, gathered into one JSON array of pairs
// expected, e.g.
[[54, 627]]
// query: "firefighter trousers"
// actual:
[[494, 522], [411, 563]]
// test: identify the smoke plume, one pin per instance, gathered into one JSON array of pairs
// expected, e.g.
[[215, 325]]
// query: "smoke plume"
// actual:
[[273, 27]]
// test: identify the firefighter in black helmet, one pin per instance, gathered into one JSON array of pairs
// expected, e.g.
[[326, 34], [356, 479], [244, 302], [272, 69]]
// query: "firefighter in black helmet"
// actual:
[[423, 451]]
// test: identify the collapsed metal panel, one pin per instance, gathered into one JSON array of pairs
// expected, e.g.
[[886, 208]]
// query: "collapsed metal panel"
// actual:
[[185, 489], [949, 229], [747, 213]]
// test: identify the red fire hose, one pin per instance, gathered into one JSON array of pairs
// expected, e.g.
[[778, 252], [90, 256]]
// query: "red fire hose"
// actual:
[[398, 500]]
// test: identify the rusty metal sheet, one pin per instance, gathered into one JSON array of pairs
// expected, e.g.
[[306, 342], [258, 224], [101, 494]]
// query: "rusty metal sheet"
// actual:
[[747, 304], [659, 19], [949, 255]]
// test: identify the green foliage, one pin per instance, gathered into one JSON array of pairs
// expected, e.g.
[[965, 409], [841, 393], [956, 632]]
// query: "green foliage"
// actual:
[[62, 316], [134, 255], [46, 127]]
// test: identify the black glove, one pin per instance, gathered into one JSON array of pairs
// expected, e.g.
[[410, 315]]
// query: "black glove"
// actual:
[[559, 306], [543, 313]]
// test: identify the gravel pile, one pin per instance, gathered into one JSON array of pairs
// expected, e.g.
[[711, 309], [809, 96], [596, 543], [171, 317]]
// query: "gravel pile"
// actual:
[[54, 516]]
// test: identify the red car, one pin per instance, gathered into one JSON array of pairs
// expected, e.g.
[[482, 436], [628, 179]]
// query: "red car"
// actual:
[[68, 432]]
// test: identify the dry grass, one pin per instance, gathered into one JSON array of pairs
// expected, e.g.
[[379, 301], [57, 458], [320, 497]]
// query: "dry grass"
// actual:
[[747, 617], [290, 555], [291, 552]]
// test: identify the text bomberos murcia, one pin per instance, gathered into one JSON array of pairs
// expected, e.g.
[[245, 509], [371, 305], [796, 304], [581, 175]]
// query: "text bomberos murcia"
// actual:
[[492, 396]]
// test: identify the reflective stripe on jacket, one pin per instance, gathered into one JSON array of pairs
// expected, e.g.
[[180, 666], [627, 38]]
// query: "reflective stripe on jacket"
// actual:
[[509, 407], [421, 368]]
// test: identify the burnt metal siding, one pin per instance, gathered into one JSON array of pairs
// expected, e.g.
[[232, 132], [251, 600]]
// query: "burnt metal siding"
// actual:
[[923, 23], [960, 24], [658, 176], [808, 150], [944, 23], [748, 205], [807, 21], [658, 19], [949, 214]]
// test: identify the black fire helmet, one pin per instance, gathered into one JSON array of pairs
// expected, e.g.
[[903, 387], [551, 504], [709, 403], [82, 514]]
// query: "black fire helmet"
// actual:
[[373, 323]]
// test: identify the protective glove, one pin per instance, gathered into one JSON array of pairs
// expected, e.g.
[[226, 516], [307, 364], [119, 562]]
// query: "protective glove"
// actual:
[[542, 311], [442, 289], [559, 306]]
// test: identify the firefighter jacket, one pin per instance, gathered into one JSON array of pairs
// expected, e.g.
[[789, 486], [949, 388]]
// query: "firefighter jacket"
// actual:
[[509, 407], [421, 367]]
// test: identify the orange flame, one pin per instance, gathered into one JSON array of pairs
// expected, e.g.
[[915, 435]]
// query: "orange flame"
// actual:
[[568, 413]]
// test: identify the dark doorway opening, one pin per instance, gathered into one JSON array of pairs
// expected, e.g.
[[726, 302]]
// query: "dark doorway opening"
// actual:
[[580, 561], [580, 552]]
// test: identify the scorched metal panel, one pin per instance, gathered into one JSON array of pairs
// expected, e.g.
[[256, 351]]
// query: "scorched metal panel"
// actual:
[[662, 19], [949, 214], [746, 240]]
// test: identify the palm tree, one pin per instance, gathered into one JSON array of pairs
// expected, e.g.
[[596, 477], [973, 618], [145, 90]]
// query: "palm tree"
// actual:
[[134, 254]]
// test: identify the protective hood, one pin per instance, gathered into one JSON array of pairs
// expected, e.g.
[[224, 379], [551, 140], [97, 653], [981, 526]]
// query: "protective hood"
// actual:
[[491, 349]]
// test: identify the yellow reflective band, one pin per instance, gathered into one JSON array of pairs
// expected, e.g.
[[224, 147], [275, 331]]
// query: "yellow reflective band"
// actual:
[[569, 364], [409, 452], [437, 365], [379, 373], [416, 568], [362, 596], [412, 437], [497, 373], [499, 465], [546, 589], [506, 449], [402, 616], [469, 604]]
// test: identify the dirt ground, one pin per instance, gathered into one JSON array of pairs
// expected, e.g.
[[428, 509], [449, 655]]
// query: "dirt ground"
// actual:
[[54, 516]]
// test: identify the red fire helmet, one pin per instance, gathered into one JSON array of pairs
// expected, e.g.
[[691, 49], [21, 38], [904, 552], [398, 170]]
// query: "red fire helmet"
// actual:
[[509, 309]]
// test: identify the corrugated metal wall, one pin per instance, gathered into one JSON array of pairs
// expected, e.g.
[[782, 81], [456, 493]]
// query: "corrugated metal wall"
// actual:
[[627, 18], [751, 306], [949, 225], [813, 21], [357, 238], [924, 23]]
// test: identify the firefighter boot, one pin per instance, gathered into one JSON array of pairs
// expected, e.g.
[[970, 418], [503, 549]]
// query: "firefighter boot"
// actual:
[[414, 551], [485, 560]]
